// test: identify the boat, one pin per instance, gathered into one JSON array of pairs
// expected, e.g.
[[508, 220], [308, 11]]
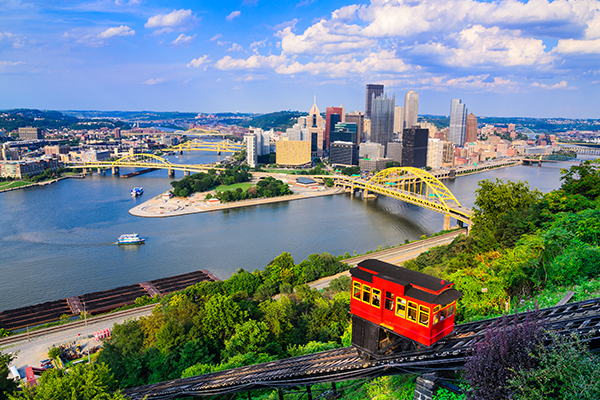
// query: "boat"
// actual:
[[130, 238], [136, 191]]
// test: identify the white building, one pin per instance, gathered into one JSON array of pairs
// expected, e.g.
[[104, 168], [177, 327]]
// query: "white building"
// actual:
[[251, 156], [435, 153], [371, 150]]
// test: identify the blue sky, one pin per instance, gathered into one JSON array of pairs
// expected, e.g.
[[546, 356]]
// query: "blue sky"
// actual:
[[502, 58]]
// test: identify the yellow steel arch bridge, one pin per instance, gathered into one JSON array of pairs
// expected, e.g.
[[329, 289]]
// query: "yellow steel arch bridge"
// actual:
[[200, 132], [412, 185], [225, 146], [144, 160]]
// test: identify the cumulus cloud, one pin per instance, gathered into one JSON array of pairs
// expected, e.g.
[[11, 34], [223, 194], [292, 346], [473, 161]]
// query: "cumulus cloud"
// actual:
[[573, 46], [559, 85], [182, 40], [153, 81], [235, 47], [117, 31], [197, 62], [253, 62], [178, 19], [233, 15], [323, 38]]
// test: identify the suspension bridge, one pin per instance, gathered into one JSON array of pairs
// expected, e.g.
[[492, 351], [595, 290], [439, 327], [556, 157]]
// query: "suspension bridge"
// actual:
[[411, 185]]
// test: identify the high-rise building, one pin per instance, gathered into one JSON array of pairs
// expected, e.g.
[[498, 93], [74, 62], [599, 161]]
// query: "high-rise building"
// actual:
[[471, 132], [411, 109], [117, 133], [398, 119], [314, 123], [358, 118], [345, 132], [458, 122], [333, 115], [448, 155], [394, 151], [251, 155], [297, 132], [373, 91], [371, 150], [292, 153], [382, 119], [343, 153], [435, 153], [414, 147]]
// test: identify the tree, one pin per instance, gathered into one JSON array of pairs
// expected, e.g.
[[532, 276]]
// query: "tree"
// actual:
[[251, 336], [83, 382], [7, 384], [221, 316], [54, 353]]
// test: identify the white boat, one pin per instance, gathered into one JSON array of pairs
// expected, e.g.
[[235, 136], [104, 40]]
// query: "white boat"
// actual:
[[130, 238], [136, 191]]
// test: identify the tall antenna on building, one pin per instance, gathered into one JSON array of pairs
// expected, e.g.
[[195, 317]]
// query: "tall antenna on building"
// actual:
[[315, 101]]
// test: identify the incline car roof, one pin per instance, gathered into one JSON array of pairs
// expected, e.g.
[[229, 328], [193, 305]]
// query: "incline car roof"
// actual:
[[407, 278], [396, 274]]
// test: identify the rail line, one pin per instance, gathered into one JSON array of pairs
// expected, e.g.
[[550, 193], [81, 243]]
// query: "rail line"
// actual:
[[343, 364], [23, 337]]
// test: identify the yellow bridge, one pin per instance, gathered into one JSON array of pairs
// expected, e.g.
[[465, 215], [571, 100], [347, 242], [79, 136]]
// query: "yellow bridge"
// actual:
[[200, 145], [144, 160], [411, 185], [193, 131]]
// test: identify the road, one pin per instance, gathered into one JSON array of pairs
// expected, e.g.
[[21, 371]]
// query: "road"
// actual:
[[30, 353]]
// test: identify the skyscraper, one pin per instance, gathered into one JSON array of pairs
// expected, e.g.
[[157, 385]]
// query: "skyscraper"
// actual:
[[333, 115], [458, 122], [471, 135], [414, 147], [382, 119], [314, 123], [398, 119], [358, 118], [372, 89], [411, 109]]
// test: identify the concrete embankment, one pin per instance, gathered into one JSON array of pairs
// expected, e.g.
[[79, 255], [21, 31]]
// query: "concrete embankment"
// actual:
[[80, 176]]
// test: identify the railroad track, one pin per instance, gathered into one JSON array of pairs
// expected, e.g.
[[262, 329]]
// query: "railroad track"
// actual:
[[345, 363], [23, 337]]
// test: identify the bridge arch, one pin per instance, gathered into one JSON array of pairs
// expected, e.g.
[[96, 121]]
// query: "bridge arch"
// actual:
[[415, 181], [142, 157]]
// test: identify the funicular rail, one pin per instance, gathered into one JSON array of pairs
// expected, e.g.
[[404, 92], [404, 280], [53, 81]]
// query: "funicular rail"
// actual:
[[343, 364]]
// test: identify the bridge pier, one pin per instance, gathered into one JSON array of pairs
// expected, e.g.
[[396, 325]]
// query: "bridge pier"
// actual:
[[115, 171], [186, 173], [446, 223], [171, 173], [84, 171]]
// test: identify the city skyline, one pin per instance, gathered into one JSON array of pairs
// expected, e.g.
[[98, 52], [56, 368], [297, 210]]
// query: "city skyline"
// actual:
[[506, 58]]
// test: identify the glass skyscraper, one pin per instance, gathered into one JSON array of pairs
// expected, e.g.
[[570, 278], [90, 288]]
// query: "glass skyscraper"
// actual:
[[458, 122], [382, 119]]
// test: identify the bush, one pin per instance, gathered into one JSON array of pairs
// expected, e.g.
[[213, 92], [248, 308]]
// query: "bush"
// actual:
[[507, 345]]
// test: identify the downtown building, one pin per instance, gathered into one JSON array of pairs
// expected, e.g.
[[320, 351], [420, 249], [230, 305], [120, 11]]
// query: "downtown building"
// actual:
[[373, 91], [333, 115], [382, 119], [458, 122], [471, 131], [411, 109], [414, 147]]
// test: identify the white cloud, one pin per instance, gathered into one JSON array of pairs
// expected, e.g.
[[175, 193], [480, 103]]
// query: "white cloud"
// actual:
[[253, 62], [18, 41], [153, 81], [117, 31], [324, 38], [233, 15], [10, 63], [182, 40], [572, 46], [286, 24], [235, 47], [250, 78], [217, 36], [178, 19], [560, 85], [127, 3], [196, 62]]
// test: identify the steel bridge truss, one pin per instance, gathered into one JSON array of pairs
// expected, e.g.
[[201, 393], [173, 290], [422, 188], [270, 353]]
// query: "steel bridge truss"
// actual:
[[144, 160], [412, 185], [200, 145]]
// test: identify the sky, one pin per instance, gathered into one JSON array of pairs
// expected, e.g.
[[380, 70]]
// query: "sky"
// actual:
[[503, 58]]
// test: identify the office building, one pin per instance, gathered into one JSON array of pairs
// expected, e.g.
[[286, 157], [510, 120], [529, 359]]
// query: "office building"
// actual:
[[448, 156], [471, 131], [373, 164], [293, 153], [117, 133], [435, 153], [394, 151], [333, 115], [414, 147], [18, 169], [251, 155], [357, 118], [398, 120], [366, 131], [382, 119], [57, 149], [297, 132], [371, 150], [343, 153], [373, 91], [411, 109], [458, 122], [345, 132], [95, 155], [316, 129], [30, 133]]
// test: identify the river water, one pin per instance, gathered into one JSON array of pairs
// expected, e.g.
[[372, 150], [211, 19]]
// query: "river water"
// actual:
[[59, 240]]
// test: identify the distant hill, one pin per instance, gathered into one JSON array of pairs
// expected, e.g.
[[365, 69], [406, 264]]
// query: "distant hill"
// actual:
[[280, 120], [11, 120]]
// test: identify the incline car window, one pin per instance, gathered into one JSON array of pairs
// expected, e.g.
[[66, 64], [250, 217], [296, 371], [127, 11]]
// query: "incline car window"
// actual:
[[366, 294], [389, 301], [424, 315], [356, 290], [376, 298], [412, 311], [401, 307]]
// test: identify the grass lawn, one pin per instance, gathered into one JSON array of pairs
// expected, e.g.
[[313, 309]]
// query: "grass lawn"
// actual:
[[282, 171], [13, 184], [243, 185]]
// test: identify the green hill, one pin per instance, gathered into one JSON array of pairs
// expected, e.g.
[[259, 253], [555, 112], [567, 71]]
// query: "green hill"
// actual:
[[280, 120]]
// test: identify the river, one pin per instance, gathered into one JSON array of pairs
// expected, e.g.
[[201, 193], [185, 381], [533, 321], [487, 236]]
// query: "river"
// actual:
[[59, 240]]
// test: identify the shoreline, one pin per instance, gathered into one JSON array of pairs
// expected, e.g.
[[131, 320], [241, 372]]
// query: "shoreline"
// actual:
[[158, 208], [80, 176]]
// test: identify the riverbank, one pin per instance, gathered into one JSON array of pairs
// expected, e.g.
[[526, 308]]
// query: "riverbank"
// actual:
[[160, 207], [77, 176]]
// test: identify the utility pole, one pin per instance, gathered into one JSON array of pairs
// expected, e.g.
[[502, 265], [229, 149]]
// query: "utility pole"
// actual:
[[87, 336]]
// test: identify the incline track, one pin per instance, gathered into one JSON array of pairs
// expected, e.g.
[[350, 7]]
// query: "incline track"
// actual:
[[343, 364]]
